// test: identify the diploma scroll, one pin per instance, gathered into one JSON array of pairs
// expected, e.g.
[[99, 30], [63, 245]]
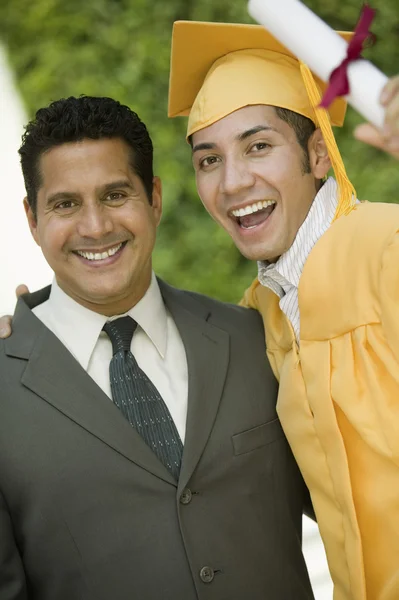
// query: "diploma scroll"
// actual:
[[322, 49]]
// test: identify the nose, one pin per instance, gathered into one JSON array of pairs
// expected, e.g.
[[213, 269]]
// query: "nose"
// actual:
[[94, 221], [237, 176]]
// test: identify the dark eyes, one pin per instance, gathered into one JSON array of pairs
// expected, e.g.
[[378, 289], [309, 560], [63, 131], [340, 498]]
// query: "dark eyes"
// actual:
[[208, 161], [114, 196], [259, 146], [65, 205]]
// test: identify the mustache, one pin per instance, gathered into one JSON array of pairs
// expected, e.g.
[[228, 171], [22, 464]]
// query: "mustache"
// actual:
[[94, 244]]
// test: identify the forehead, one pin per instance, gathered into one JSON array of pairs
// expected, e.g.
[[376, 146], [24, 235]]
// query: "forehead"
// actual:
[[238, 122], [77, 163]]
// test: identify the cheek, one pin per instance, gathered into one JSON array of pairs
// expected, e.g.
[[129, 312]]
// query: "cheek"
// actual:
[[207, 191], [141, 223], [289, 180], [53, 236], [284, 172]]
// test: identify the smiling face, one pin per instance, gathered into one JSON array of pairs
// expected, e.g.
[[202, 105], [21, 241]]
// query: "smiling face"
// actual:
[[95, 224], [251, 178]]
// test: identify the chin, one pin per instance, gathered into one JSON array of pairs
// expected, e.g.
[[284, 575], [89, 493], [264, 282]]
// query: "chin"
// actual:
[[268, 254], [101, 293], [109, 295], [254, 254]]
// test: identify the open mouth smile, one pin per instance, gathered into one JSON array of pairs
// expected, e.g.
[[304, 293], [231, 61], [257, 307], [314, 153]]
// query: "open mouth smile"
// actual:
[[253, 215]]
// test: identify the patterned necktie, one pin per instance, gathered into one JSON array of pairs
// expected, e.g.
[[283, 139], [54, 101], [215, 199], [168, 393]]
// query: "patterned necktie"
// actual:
[[138, 398]]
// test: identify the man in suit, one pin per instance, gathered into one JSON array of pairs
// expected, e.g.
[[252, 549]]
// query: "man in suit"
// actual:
[[137, 466]]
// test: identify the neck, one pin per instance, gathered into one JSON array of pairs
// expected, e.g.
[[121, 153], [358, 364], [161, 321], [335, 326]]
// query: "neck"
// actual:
[[112, 305]]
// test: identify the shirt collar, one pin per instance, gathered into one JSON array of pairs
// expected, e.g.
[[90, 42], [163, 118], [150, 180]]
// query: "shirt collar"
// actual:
[[287, 270], [79, 328]]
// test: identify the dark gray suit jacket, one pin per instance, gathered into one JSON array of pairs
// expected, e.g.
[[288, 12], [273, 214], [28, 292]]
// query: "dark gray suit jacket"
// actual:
[[87, 512]]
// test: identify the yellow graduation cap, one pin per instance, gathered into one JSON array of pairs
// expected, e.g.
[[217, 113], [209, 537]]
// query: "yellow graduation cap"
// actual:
[[217, 68]]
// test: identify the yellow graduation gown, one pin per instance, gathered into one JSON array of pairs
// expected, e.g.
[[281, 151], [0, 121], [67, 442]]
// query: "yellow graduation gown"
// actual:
[[339, 394]]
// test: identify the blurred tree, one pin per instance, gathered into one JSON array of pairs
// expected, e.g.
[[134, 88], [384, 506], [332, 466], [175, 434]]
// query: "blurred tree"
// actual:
[[121, 48]]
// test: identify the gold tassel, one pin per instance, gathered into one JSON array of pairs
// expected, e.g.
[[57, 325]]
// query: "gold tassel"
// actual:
[[347, 193]]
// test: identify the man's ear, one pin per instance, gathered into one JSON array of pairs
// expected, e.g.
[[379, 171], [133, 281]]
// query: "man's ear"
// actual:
[[319, 160], [32, 221], [157, 199]]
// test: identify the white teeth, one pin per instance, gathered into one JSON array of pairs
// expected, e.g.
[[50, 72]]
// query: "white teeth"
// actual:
[[99, 255], [252, 208]]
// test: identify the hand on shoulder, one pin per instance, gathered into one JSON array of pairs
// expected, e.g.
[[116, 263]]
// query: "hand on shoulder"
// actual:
[[5, 320]]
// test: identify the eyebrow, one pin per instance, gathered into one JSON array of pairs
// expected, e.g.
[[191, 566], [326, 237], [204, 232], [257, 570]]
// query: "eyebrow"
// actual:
[[122, 183], [246, 134], [240, 137], [108, 187], [203, 146]]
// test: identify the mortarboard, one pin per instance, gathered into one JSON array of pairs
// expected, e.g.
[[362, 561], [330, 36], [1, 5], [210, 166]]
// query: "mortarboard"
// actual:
[[217, 68]]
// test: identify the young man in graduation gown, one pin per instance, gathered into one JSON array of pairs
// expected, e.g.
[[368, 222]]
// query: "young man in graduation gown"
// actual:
[[327, 285]]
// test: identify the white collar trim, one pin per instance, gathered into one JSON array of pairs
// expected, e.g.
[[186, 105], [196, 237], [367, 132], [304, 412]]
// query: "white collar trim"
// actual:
[[79, 328]]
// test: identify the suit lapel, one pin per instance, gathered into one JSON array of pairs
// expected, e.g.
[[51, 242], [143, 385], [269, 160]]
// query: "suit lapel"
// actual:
[[207, 350], [53, 374]]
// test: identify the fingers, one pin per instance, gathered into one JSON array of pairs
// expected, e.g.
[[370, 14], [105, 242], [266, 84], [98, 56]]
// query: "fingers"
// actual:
[[390, 89], [21, 289], [388, 138], [5, 326], [371, 135], [5, 321], [390, 101]]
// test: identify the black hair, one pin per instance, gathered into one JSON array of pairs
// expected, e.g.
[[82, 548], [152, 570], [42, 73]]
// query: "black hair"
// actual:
[[75, 119], [303, 128]]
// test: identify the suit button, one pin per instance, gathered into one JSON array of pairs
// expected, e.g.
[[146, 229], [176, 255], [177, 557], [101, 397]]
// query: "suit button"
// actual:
[[207, 574], [186, 496]]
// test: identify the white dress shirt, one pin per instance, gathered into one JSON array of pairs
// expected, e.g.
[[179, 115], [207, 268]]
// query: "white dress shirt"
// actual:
[[283, 276], [156, 345]]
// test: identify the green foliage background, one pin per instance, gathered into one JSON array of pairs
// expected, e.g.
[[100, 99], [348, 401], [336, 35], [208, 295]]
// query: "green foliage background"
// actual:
[[121, 48]]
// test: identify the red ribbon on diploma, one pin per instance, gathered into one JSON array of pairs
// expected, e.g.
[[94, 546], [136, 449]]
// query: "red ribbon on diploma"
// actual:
[[339, 84]]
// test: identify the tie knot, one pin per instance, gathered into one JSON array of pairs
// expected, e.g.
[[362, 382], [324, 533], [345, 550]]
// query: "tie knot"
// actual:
[[120, 332]]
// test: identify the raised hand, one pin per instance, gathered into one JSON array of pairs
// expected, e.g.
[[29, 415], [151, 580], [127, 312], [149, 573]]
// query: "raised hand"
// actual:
[[386, 139]]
